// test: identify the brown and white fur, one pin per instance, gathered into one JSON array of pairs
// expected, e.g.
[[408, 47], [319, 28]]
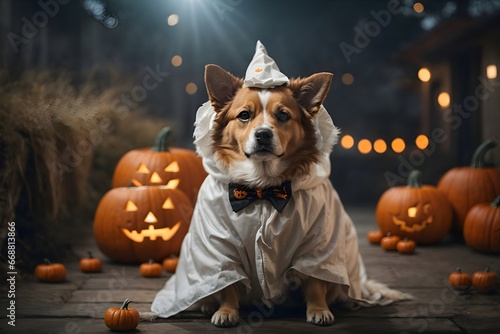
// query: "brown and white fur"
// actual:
[[263, 137]]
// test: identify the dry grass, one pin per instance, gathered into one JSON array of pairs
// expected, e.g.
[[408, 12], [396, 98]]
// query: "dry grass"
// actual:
[[59, 143]]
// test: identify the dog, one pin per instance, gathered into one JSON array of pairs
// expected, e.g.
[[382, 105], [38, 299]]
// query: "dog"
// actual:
[[267, 214]]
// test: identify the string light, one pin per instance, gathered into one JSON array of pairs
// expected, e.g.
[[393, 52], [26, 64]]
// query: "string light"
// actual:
[[347, 142]]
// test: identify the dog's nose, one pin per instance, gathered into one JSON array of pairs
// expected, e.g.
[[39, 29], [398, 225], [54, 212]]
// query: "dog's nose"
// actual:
[[264, 136]]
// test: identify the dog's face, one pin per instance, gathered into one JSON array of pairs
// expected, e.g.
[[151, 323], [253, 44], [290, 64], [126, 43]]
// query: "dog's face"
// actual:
[[265, 136]]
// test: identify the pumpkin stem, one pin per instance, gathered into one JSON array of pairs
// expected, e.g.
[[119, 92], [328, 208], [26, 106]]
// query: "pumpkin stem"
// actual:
[[162, 140], [487, 269], [151, 261], [47, 261], [90, 254], [414, 179], [459, 270], [496, 202], [478, 156], [125, 304]]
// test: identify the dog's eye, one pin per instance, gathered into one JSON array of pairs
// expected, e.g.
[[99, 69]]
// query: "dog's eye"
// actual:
[[244, 116], [282, 116]]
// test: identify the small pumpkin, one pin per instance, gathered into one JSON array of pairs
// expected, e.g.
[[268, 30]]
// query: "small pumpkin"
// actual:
[[170, 264], [484, 281], [50, 272], [389, 242], [419, 212], [406, 246], [468, 186], [482, 227], [375, 236], [122, 318], [150, 269], [459, 280], [161, 164], [136, 224], [90, 264]]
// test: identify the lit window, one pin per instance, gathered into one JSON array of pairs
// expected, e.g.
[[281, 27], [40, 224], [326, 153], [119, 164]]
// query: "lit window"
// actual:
[[398, 145], [347, 142]]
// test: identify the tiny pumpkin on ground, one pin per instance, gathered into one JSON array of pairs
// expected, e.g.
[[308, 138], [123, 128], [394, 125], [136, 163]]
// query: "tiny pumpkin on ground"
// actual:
[[375, 236], [389, 242], [90, 264], [459, 280], [406, 246], [170, 264], [484, 281], [50, 272], [150, 269], [122, 318]]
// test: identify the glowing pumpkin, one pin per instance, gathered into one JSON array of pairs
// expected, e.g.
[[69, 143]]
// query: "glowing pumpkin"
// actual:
[[161, 165], [418, 212], [468, 186], [140, 223]]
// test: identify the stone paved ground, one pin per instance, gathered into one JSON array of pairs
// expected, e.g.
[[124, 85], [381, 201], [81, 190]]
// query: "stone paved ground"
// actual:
[[78, 305]]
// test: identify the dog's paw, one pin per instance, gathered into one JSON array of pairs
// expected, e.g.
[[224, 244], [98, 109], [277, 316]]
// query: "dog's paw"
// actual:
[[208, 308], [320, 317], [225, 318]]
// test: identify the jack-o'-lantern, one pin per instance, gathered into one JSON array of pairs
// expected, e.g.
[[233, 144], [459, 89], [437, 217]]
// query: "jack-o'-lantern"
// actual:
[[419, 212], [469, 185], [136, 224], [161, 165]]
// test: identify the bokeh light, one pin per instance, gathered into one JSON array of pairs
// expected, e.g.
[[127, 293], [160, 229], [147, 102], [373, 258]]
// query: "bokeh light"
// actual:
[[364, 146], [173, 19], [491, 71], [424, 74], [191, 88], [444, 99], [379, 146], [347, 142], [398, 145], [418, 7], [176, 61], [347, 79], [422, 142]]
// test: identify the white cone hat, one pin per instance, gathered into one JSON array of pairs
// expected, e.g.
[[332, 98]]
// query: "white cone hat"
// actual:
[[263, 71]]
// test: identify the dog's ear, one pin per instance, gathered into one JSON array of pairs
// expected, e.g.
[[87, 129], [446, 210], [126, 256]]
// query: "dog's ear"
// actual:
[[311, 92], [221, 86]]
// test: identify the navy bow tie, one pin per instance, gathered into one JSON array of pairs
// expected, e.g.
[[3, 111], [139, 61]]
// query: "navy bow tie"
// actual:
[[241, 196]]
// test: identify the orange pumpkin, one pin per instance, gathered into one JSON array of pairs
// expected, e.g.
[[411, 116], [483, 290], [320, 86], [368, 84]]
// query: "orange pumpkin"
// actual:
[[484, 281], [90, 264], [140, 223], [170, 264], [459, 280], [482, 227], [389, 242], [419, 212], [161, 165], [375, 236], [150, 269], [468, 186], [406, 246], [122, 318], [50, 272]]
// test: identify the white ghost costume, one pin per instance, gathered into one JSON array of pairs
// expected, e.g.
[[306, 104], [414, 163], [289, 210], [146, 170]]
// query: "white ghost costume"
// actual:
[[258, 246]]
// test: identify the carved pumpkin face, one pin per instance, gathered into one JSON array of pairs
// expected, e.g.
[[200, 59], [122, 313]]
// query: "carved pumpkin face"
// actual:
[[415, 218], [421, 213], [161, 165], [138, 224]]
